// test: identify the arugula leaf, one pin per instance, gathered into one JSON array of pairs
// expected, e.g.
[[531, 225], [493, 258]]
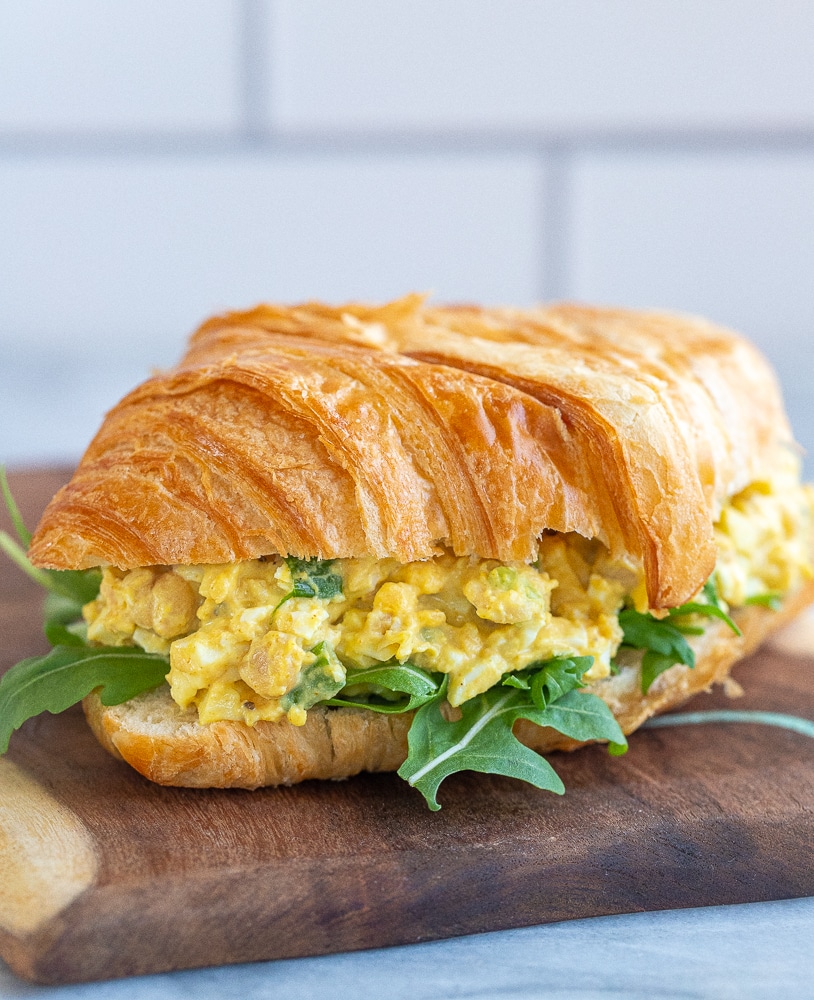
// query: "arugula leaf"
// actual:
[[66, 674], [582, 716], [653, 664], [318, 682], [710, 610], [72, 669], [550, 679], [312, 578], [516, 681], [771, 599], [399, 678], [663, 642], [18, 556], [62, 621], [483, 740], [70, 634], [557, 677], [643, 631], [61, 610], [710, 591], [67, 590], [685, 629], [78, 586], [561, 706]]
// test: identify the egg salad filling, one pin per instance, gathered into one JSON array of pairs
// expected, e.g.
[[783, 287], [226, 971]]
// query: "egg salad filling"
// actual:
[[269, 638]]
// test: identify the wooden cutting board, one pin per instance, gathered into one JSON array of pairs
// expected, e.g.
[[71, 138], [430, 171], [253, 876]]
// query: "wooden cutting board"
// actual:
[[105, 874]]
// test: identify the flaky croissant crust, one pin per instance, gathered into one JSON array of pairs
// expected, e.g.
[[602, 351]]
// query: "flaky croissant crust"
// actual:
[[393, 430]]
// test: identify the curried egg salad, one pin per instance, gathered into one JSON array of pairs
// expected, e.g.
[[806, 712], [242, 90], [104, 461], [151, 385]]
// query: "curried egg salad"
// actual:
[[271, 637]]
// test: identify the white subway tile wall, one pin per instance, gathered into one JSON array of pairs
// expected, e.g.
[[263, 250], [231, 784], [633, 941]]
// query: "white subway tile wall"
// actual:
[[540, 64], [142, 248], [102, 66], [164, 159]]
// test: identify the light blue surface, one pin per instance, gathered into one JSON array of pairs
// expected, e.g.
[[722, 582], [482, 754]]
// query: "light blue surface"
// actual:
[[742, 952]]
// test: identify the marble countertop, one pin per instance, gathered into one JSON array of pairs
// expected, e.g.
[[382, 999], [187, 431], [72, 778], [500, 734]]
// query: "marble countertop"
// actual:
[[746, 952]]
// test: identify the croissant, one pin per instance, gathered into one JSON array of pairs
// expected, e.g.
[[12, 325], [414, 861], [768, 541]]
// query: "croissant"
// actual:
[[485, 446]]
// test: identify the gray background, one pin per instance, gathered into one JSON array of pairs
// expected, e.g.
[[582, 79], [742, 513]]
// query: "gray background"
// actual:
[[163, 159]]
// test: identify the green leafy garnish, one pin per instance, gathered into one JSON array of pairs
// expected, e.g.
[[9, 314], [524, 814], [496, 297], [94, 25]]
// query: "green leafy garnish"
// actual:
[[392, 688], [664, 644], [516, 681], [582, 717], [312, 578], [318, 682], [17, 555], [71, 634], [713, 608], [13, 510], [67, 590], [74, 586], [663, 640], [77, 585], [66, 674], [708, 610], [643, 631], [483, 740], [772, 600], [72, 669], [654, 664], [553, 679], [710, 591]]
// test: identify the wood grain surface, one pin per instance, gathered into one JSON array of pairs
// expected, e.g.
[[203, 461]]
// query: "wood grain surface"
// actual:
[[107, 875]]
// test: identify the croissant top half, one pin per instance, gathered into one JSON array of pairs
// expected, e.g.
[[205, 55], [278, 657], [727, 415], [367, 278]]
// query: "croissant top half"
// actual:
[[388, 431]]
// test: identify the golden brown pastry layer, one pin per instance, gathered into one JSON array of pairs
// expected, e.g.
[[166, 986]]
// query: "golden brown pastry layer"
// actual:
[[319, 431]]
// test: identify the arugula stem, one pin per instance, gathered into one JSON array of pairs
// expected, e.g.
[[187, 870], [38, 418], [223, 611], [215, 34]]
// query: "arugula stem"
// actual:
[[18, 556], [792, 722], [13, 510]]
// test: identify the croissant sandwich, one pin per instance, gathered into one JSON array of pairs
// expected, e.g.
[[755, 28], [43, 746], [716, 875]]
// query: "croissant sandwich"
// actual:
[[417, 538]]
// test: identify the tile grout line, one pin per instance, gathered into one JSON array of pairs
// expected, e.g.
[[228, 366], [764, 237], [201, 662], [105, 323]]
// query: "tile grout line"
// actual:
[[253, 60], [256, 134], [554, 220]]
